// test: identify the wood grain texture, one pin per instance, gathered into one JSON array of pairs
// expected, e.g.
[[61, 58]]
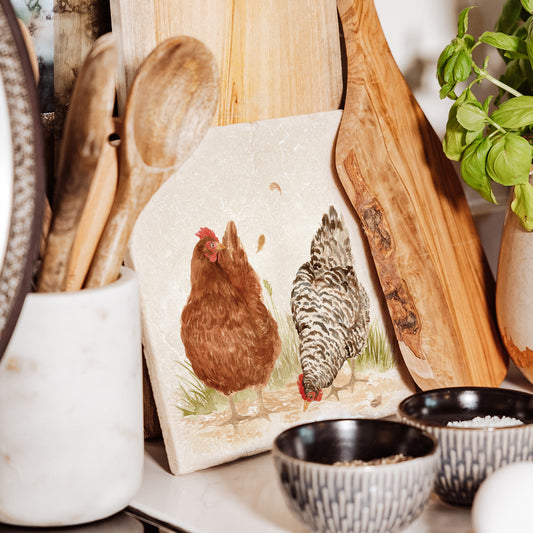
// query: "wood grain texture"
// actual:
[[431, 265], [170, 106], [276, 58], [93, 217], [77, 25], [88, 124]]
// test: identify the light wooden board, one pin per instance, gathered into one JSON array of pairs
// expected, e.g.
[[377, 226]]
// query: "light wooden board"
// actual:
[[276, 58], [432, 268]]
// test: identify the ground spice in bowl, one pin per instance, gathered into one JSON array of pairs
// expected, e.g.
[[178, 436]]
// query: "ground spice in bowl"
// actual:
[[389, 460]]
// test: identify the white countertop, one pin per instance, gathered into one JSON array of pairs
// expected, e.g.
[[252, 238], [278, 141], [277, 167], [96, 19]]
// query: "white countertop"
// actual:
[[245, 496]]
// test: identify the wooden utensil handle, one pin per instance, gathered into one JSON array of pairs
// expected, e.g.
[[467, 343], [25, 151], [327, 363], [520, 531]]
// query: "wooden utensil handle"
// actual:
[[88, 124], [126, 208], [93, 218], [110, 251]]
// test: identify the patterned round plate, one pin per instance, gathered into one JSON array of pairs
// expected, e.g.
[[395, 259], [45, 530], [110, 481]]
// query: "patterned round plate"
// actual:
[[21, 172]]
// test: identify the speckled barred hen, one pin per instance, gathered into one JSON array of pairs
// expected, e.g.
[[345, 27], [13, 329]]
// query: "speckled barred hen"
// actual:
[[330, 308]]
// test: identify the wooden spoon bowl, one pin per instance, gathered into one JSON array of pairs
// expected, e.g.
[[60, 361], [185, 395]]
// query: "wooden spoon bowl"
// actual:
[[170, 106]]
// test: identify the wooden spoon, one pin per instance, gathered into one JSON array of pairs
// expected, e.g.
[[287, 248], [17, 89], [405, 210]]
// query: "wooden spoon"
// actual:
[[94, 216], [170, 106], [430, 262], [88, 124], [32, 55]]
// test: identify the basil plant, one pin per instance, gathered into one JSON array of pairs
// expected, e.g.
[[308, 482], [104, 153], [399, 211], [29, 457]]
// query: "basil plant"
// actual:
[[493, 138]]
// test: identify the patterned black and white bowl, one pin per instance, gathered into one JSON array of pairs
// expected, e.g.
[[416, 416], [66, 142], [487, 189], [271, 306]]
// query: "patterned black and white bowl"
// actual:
[[497, 430], [372, 498]]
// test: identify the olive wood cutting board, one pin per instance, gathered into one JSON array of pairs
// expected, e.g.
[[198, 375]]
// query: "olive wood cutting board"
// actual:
[[276, 58], [432, 269]]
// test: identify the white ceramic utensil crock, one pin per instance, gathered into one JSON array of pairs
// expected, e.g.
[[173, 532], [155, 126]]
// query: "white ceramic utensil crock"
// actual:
[[71, 427]]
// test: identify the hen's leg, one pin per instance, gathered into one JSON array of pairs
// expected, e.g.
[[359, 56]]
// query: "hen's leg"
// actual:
[[235, 417], [334, 390], [262, 411], [354, 379]]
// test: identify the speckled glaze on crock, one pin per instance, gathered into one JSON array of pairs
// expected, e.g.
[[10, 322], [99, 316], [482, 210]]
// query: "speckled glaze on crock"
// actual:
[[514, 291], [71, 408]]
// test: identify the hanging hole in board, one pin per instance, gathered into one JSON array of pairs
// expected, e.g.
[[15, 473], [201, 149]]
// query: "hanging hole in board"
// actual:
[[114, 139]]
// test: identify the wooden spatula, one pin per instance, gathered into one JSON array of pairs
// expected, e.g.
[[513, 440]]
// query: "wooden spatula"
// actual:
[[88, 124], [93, 217], [436, 280]]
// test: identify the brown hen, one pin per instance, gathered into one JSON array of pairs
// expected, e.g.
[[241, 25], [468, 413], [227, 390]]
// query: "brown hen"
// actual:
[[230, 337]]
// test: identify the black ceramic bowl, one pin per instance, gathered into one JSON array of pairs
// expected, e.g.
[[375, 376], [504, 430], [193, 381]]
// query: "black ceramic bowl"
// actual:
[[467, 455], [382, 498]]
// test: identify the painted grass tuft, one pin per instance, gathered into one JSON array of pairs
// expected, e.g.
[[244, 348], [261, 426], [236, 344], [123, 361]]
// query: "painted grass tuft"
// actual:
[[287, 365], [377, 354]]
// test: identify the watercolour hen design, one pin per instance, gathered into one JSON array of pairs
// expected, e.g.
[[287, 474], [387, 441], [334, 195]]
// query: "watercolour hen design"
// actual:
[[230, 337], [330, 309]]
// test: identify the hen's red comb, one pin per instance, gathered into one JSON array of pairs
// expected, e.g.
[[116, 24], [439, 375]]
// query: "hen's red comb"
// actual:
[[205, 232]]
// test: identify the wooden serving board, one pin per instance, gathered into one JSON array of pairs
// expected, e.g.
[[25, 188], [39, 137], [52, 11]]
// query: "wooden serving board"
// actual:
[[276, 58], [432, 269]]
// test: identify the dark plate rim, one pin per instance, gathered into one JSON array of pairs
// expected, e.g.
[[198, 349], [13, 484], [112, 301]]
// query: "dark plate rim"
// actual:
[[17, 269], [430, 456]]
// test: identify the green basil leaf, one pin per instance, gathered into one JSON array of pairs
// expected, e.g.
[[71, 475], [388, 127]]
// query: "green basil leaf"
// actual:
[[463, 66], [527, 5], [519, 75], [509, 56], [454, 141], [462, 23], [486, 104], [509, 16], [509, 160], [514, 75], [528, 74], [456, 138], [445, 55], [448, 69], [529, 40], [522, 205], [468, 41], [447, 90], [473, 168], [502, 41], [468, 96], [515, 113], [471, 116]]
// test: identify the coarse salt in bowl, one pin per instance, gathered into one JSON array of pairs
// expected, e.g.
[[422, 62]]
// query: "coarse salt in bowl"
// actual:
[[479, 429]]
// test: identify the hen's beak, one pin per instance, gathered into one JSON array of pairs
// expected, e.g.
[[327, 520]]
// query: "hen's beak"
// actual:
[[306, 405], [219, 247]]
